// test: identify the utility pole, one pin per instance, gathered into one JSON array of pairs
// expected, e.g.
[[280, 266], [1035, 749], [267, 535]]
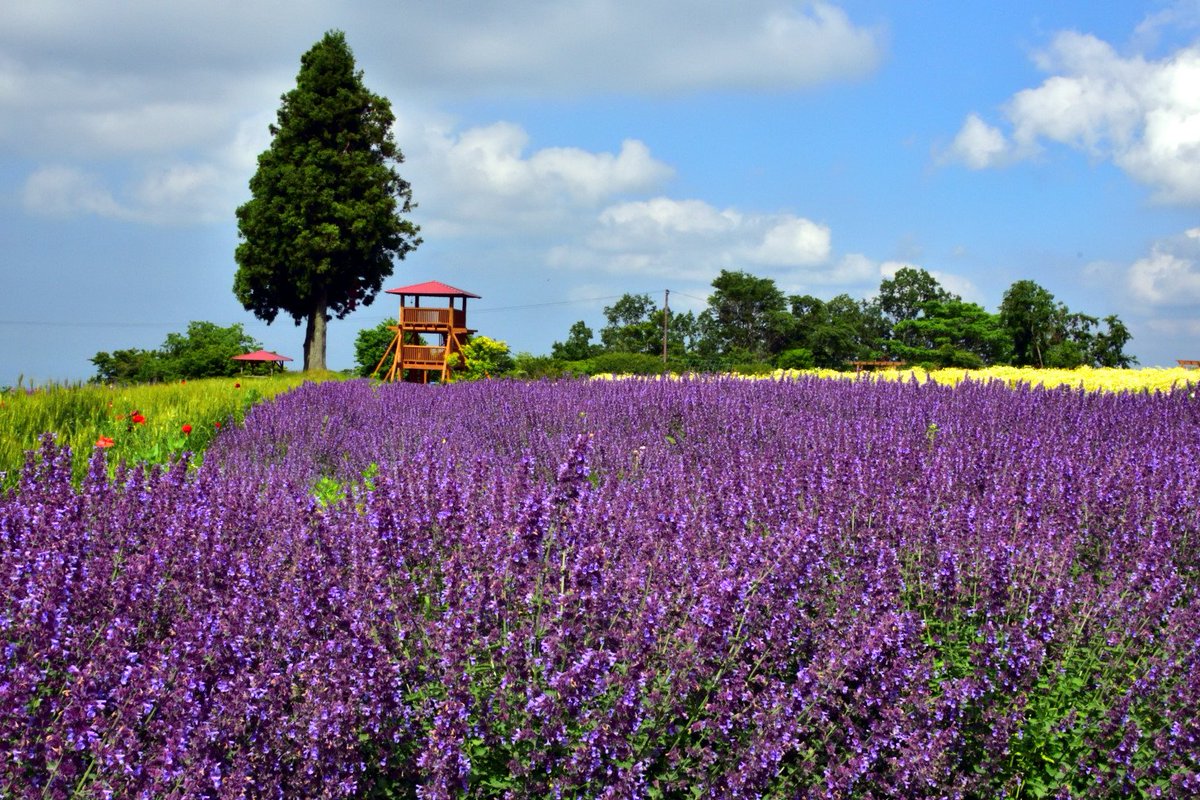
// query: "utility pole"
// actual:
[[666, 316]]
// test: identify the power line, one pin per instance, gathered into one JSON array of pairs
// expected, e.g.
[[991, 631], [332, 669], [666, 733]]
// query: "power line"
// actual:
[[75, 324], [534, 305], [551, 303]]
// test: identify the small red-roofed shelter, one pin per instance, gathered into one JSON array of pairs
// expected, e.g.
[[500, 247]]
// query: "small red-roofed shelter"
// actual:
[[414, 362], [262, 357]]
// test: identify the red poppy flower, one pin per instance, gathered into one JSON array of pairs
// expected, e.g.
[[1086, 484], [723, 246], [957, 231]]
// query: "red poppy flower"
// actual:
[[218, 425], [187, 429], [137, 418], [105, 441], [237, 386]]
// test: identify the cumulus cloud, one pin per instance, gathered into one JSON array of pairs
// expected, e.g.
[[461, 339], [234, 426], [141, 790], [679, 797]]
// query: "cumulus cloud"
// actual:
[[62, 191], [1142, 114], [978, 145], [492, 160], [176, 72], [692, 240], [1170, 274], [793, 241], [155, 112], [485, 179], [540, 46], [173, 194]]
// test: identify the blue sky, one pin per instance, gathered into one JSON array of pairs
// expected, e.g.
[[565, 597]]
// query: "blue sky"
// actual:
[[563, 154]]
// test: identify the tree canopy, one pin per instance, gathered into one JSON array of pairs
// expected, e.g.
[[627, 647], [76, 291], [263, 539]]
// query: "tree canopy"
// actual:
[[323, 224], [749, 323], [205, 350]]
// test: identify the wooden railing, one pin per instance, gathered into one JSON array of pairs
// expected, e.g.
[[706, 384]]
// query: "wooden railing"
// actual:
[[416, 355], [434, 317]]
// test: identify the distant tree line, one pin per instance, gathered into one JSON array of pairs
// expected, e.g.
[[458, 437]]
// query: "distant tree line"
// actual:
[[205, 350], [750, 324]]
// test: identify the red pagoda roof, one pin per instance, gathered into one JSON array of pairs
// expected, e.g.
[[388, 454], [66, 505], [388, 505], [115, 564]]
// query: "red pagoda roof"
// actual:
[[432, 289], [260, 355]]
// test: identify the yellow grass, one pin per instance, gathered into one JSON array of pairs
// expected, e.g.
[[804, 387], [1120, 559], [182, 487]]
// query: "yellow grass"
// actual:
[[1152, 379], [78, 416]]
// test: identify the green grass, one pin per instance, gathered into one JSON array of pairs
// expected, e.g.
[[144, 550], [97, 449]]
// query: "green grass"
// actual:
[[82, 416]]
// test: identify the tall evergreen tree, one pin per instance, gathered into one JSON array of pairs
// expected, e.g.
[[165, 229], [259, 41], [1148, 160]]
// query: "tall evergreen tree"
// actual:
[[324, 223]]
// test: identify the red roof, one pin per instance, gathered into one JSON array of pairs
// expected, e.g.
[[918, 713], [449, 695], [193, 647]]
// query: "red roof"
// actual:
[[432, 289], [261, 355]]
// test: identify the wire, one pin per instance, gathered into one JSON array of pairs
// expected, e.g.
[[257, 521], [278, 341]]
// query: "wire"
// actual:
[[537, 305], [69, 324], [552, 303]]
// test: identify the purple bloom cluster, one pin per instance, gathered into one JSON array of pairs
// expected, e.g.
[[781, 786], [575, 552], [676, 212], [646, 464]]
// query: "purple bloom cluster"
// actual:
[[719, 588]]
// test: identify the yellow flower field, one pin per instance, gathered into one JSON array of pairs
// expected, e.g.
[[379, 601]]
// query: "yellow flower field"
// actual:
[[1150, 379], [1153, 379]]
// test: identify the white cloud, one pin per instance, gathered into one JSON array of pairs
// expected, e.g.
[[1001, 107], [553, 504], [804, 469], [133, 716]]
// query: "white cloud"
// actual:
[[157, 112], [650, 47], [1170, 274], [691, 240], [486, 179], [851, 269], [491, 160], [977, 145], [1142, 114], [172, 194], [793, 241], [177, 72], [61, 191], [661, 222]]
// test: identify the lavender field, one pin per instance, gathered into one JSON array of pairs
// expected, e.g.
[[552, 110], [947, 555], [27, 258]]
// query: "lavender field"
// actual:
[[662, 589]]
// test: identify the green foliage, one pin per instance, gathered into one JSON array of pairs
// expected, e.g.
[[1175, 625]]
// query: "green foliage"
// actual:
[[795, 358], [323, 224], [747, 313], [903, 296], [1047, 334], [578, 345], [1108, 346], [749, 322], [206, 350], [370, 345], [530, 367], [1027, 312], [630, 326], [484, 358], [836, 331], [127, 366], [83, 417], [620, 364], [951, 333]]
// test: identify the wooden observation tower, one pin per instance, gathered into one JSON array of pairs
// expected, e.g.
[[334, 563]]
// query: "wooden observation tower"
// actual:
[[414, 362]]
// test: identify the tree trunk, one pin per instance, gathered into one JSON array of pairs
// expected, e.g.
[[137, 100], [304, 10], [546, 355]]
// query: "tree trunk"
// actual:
[[314, 339]]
